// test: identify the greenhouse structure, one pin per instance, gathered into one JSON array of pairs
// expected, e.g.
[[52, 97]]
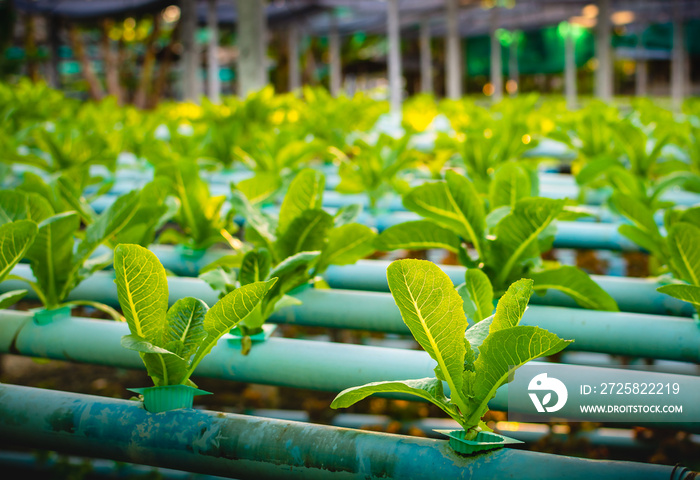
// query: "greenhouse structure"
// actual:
[[338, 239]]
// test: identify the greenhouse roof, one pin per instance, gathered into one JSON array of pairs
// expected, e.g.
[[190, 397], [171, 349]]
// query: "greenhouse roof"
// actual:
[[370, 15], [90, 9]]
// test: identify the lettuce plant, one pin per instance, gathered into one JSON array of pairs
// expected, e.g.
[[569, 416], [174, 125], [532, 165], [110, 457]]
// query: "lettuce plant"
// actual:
[[492, 138], [173, 341], [199, 216], [374, 168], [56, 147], [508, 232], [640, 170], [58, 262], [15, 239], [589, 132], [298, 245], [155, 206], [643, 229], [684, 258], [274, 153], [474, 362]]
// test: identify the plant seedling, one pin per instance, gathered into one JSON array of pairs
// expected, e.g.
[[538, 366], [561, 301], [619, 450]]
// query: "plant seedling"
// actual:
[[684, 259], [15, 239], [474, 362], [57, 263], [173, 342], [296, 247], [508, 231]]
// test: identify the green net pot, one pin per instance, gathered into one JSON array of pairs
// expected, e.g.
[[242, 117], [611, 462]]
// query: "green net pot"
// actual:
[[190, 254], [43, 316], [168, 397], [483, 441], [267, 331]]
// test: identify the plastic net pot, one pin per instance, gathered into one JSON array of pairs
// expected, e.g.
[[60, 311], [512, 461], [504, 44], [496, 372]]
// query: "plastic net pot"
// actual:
[[43, 316], [267, 331], [483, 441], [168, 397], [190, 254]]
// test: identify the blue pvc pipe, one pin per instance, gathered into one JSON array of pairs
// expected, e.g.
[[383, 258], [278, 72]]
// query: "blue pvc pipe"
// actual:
[[254, 448], [28, 466], [316, 365], [576, 234], [631, 294], [651, 336], [617, 438]]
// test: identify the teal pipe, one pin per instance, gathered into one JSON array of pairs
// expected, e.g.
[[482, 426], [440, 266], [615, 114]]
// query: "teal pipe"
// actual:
[[551, 186], [245, 447], [577, 234], [592, 235], [631, 294], [616, 438], [316, 365], [639, 335], [649, 336], [26, 465]]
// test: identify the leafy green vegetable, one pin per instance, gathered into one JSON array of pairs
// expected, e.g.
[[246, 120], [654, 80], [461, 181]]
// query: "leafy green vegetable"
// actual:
[[374, 168], [298, 246], [173, 342], [59, 263], [684, 262], [509, 231], [474, 362], [15, 239], [199, 215]]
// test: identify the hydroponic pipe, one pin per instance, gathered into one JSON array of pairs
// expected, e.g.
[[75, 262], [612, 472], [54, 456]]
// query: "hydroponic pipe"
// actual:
[[622, 438], [590, 235], [244, 447], [649, 336], [325, 366], [26, 465], [631, 294]]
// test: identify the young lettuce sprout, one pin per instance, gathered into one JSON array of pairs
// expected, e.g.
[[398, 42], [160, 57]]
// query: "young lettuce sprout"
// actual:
[[684, 258], [296, 247], [15, 239], [200, 217], [173, 342], [58, 262], [509, 231], [474, 362]]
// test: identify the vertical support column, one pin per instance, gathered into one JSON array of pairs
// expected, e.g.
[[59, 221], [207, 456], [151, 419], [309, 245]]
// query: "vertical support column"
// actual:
[[678, 58], [393, 29], [189, 49], [604, 74], [641, 78], [453, 60], [252, 44], [213, 82], [496, 60], [54, 76], [294, 70], [336, 71], [570, 68], [426, 58], [513, 68], [641, 74], [263, 42]]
